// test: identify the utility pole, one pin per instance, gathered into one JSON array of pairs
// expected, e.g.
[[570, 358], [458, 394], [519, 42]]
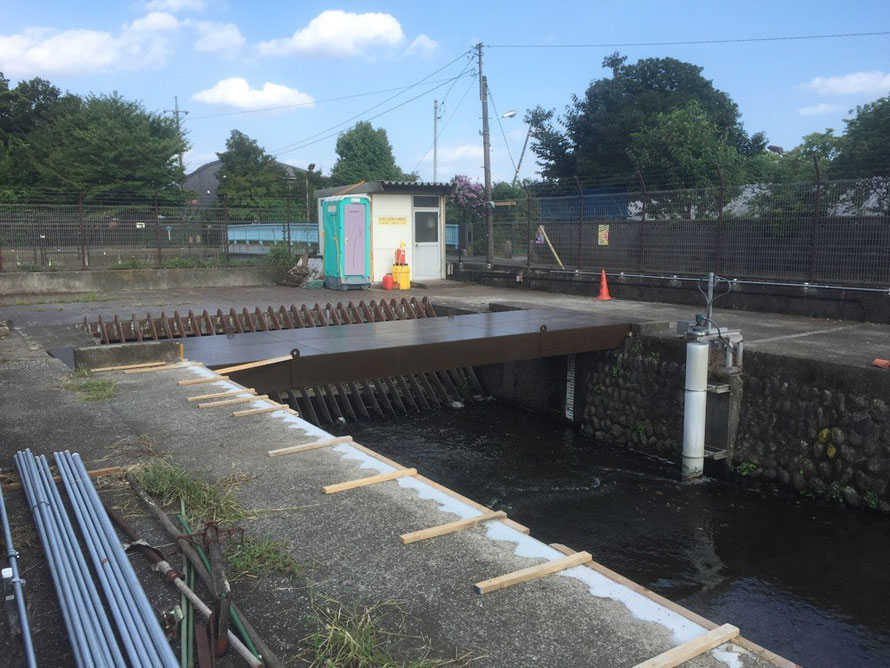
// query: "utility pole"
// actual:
[[435, 140], [486, 154], [176, 111]]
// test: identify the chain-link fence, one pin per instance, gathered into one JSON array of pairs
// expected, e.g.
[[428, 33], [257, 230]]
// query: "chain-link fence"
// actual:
[[830, 232], [41, 237]]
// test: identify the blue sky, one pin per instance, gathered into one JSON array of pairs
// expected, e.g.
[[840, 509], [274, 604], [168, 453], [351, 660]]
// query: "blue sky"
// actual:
[[229, 57]]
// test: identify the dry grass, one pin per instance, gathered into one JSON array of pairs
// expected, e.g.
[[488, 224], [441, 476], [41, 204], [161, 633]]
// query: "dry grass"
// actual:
[[258, 555], [90, 388]]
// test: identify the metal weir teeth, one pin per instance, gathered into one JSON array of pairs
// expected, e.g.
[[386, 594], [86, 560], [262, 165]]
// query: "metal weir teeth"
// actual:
[[325, 404]]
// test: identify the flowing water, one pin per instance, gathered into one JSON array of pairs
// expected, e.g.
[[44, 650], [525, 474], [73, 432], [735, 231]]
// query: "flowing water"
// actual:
[[811, 583]]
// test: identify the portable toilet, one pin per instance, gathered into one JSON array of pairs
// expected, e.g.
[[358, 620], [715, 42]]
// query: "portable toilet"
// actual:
[[347, 242]]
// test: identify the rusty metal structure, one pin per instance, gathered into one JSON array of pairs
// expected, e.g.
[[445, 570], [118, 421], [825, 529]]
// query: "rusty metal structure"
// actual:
[[319, 403]]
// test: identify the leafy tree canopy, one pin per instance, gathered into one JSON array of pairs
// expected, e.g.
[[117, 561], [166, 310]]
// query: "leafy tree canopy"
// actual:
[[103, 144], [249, 177], [592, 139], [28, 106], [366, 154], [864, 149]]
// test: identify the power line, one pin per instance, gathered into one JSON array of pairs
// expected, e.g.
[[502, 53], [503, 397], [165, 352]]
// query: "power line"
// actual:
[[447, 121], [312, 103], [294, 145], [366, 118], [687, 42], [501, 126]]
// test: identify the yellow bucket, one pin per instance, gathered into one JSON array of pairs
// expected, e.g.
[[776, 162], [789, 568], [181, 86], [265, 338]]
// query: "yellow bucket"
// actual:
[[401, 276]]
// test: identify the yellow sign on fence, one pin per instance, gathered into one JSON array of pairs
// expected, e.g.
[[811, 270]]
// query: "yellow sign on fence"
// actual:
[[602, 236]]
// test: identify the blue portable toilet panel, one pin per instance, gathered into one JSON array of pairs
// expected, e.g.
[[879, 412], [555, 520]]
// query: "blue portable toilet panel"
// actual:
[[346, 223]]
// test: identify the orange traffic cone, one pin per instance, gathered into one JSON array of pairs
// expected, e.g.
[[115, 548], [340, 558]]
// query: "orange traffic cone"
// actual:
[[604, 288]]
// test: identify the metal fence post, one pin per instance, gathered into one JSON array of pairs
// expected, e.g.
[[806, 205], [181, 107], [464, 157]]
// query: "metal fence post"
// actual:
[[80, 230], [226, 224], [529, 237], [580, 223], [641, 246], [814, 225], [157, 218], [718, 251], [286, 230]]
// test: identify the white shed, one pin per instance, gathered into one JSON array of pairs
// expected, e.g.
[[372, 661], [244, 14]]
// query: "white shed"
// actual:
[[401, 212]]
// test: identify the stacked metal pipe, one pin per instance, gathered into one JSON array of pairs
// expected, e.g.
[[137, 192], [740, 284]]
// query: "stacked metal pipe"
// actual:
[[92, 638], [16, 582]]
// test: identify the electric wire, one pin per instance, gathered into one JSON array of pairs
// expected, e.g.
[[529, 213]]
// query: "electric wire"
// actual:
[[501, 126], [301, 143], [447, 120], [782, 38]]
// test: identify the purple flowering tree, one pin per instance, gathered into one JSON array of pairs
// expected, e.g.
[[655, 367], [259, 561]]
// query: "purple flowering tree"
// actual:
[[467, 201]]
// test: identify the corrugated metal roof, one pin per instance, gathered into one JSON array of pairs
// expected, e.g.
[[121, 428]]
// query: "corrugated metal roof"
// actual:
[[370, 187]]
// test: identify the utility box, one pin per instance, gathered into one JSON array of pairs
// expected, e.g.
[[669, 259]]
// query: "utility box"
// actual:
[[346, 222]]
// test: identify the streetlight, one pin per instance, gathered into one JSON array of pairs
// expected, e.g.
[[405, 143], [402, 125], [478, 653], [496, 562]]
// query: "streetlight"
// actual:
[[308, 170], [509, 114]]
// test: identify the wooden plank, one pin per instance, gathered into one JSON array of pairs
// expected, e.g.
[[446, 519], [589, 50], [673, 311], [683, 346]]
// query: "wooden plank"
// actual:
[[692, 648], [532, 572], [364, 482], [124, 367], [445, 490], [451, 527], [169, 367], [94, 474], [265, 409], [752, 647], [232, 402], [310, 446], [217, 395], [254, 365], [201, 381]]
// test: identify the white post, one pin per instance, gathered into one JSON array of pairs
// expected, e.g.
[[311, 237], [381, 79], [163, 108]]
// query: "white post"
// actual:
[[694, 410]]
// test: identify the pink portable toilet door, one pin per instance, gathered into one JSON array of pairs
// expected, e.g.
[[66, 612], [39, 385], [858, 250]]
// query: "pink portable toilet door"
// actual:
[[354, 240]]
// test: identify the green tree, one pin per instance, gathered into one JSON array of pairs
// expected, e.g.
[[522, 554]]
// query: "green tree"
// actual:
[[250, 177], [28, 106], [105, 144], [591, 140], [864, 150], [366, 154]]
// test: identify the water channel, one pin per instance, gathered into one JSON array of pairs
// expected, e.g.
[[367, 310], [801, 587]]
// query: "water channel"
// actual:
[[809, 582]]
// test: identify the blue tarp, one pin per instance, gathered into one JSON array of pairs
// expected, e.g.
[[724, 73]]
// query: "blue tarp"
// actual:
[[270, 233], [599, 204]]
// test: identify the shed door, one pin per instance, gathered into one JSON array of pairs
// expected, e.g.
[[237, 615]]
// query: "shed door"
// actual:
[[427, 248], [354, 240]]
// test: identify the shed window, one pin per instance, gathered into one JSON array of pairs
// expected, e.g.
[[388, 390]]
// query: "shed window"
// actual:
[[426, 202]]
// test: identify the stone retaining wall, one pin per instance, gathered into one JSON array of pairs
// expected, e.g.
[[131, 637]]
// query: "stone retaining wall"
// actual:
[[807, 427]]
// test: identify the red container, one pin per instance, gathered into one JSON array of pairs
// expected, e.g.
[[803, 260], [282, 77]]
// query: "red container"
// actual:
[[400, 256], [387, 282]]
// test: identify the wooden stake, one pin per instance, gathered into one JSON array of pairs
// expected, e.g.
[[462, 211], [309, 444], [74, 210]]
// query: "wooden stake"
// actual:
[[266, 409], [552, 249], [451, 527], [123, 367], [310, 446], [364, 482], [217, 395], [692, 648], [201, 381], [178, 365], [232, 402], [532, 572]]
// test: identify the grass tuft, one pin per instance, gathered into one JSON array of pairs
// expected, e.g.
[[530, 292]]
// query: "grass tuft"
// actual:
[[360, 636], [90, 388], [204, 501], [254, 556]]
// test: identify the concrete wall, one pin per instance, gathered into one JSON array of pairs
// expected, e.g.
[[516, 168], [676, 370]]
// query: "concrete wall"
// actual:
[[58, 282], [395, 212]]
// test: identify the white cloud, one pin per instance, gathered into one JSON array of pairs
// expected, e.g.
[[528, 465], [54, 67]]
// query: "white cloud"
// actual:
[[215, 37], [459, 152], [871, 82], [422, 46], [47, 51], [236, 92], [175, 5], [819, 109], [339, 34]]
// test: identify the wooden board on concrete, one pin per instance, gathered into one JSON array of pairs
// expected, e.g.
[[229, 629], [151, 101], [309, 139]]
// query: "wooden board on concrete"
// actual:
[[310, 446], [532, 572], [201, 381], [124, 367], [364, 482], [265, 409], [451, 527], [217, 395], [168, 367], [232, 402], [692, 648]]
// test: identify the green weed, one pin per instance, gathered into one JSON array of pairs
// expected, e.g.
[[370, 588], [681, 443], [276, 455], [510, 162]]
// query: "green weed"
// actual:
[[746, 468], [253, 556], [871, 499]]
